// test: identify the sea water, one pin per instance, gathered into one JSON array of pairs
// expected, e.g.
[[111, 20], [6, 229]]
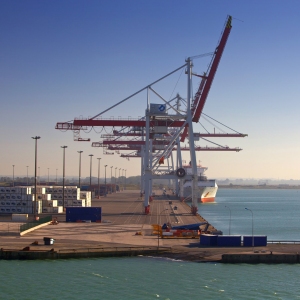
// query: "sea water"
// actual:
[[275, 213]]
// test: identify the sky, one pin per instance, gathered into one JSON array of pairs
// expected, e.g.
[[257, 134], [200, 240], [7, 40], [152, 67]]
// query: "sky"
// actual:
[[62, 60]]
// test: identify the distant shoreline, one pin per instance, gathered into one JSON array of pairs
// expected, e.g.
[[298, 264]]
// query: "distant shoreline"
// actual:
[[260, 187]]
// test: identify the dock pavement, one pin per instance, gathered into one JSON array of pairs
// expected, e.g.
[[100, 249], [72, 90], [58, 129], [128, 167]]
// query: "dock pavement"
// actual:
[[126, 228]]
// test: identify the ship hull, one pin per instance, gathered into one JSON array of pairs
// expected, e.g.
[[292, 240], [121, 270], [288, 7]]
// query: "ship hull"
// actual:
[[206, 192]]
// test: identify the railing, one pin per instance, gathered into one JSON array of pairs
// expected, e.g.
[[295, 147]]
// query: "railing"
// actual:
[[32, 224]]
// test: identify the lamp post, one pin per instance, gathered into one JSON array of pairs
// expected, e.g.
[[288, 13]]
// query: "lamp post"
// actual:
[[35, 177], [64, 156], [48, 175], [229, 218], [27, 176], [39, 177], [116, 178], [79, 176], [252, 227], [91, 156], [105, 181], [122, 179], [158, 231], [56, 176], [13, 181], [119, 180], [99, 177], [125, 179], [111, 179]]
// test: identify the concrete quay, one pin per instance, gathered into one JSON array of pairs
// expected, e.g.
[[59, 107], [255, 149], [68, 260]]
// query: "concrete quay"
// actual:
[[126, 231]]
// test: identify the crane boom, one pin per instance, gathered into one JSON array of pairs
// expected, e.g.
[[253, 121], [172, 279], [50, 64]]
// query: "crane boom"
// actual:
[[215, 63]]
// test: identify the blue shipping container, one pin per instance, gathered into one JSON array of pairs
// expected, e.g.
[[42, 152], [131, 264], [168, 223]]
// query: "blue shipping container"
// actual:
[[229, 240], [75, 214], [208, 240], [259, 241]]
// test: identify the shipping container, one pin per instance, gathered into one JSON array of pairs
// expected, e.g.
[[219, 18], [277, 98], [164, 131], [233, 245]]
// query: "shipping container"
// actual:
[[229, 240], [259, 241], [19, 217], [208, 240], [75, 214]]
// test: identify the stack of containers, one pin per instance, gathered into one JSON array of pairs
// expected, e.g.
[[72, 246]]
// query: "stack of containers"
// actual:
[[18, 200], [21, 200], [87, 197]]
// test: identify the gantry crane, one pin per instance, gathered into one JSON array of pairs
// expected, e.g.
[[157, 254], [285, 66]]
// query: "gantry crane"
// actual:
[[159, 120]]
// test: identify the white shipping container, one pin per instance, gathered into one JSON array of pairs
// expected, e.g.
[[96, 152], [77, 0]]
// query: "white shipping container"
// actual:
[[19, 217], [27, 197], [47, 210], [39, 190], [19, 210], [58, 210], [49, 203], [46, 197], [13, 210], [27, 210], [25, 190]]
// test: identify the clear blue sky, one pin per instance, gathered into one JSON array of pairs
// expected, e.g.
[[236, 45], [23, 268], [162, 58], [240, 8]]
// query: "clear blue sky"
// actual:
[[64, 59]]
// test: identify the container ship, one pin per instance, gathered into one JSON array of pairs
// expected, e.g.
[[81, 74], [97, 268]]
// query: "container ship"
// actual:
[[207, 188]]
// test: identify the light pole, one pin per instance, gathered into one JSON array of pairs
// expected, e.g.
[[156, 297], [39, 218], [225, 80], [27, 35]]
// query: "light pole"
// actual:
[[119, 180], [252, 227], [125, 179], [13, 181], [105, 181], [229, 218], [79, 176], [158, 231], [39, 181], [99, 177], [56, 176], [111, 179], [91, 156], [64, 158], [27, 176], [122, 179], [48, 176], [116, 178], [35, 177]]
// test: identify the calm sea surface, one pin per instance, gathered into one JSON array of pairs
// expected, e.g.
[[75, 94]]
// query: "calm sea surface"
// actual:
[[275, 214]]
